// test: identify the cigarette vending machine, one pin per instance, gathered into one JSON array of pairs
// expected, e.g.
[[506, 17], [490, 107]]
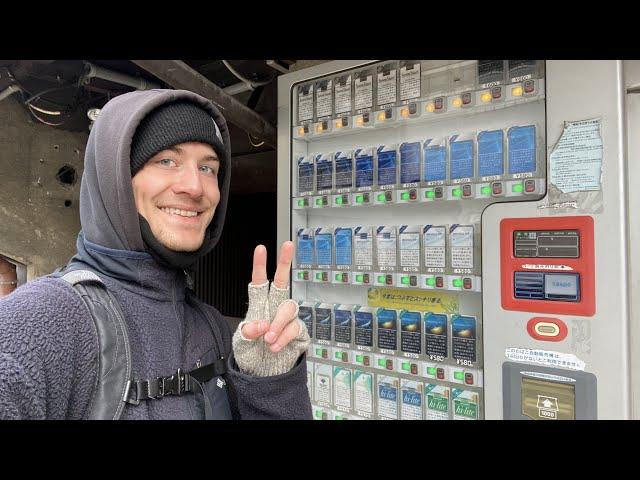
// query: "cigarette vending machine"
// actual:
[[464, 241]]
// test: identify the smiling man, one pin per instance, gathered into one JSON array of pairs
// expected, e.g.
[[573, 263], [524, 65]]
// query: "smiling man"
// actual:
[[153, 200]]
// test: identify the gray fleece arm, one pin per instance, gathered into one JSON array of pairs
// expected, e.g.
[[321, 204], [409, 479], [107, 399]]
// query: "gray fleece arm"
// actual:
[[254, 356]]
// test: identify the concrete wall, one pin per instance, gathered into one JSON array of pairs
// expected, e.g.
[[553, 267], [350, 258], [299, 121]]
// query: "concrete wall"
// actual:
[[39, 217]]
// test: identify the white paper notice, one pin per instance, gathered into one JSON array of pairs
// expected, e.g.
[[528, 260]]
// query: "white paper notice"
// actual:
[[576, 161], [545, 357]]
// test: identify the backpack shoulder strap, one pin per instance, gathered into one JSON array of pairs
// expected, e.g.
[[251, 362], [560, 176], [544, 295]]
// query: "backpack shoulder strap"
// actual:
[[114, 353]]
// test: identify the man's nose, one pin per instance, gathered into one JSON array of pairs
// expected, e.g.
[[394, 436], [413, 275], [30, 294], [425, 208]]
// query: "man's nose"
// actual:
[[189, 181]]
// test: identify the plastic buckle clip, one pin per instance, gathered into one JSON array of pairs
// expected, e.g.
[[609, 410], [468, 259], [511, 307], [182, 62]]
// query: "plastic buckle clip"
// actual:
[[176, 384]]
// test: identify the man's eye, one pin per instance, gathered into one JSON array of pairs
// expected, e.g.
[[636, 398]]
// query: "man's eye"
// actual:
[[208, 170], [166, 162]]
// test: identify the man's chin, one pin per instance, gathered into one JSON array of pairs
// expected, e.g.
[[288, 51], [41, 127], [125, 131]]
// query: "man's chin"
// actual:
[[177, 245]]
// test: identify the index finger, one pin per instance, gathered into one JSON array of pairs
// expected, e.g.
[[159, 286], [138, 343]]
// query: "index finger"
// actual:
[[259, 273], [281, 278]]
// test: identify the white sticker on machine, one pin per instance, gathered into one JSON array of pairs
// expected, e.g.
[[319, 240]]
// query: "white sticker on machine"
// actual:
[[576, 161], [545, 357]]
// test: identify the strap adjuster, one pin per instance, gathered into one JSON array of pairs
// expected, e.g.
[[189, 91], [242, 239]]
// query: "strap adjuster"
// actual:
[[156, 388]]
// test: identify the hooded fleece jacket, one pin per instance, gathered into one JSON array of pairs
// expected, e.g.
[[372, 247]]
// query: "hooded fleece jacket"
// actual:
[[48, 343]]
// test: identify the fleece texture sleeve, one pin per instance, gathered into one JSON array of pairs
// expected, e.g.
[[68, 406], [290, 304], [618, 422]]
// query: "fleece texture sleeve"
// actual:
[[48, 352]]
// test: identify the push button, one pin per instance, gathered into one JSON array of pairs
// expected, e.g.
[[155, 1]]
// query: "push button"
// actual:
[[529, 86], [438, 192], [496, 188], [496, 92], [466, 283], [439, 282], [530, 186], [468, 378], [466, 190], [440, 373]]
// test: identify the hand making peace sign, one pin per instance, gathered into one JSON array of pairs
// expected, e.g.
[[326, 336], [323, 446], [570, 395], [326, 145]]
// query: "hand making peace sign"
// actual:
[[273, 316]]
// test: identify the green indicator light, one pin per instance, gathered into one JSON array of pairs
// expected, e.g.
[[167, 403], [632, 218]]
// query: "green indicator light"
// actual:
[[457, 282], [339, 355], [318, 414], [338, 276], [458, 375], [405, 280], [318, 201], [382, 362], [431, 281], [431, 370], [318, 276], [359, 198], [359, 358], [300, 274], [319, 351], [381, 197], [338, 417], [405, 196], [339, 200], [430, 194], [517, 188], [301, 203], [359, 278], [406, 366], [486, 190], [457, 192], [381, 278]]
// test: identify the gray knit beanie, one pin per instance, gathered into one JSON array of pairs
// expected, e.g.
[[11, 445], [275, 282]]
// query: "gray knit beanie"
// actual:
[[171, 124]]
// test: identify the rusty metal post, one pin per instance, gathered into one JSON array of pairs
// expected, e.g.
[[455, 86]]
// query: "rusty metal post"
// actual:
[[8, 277]]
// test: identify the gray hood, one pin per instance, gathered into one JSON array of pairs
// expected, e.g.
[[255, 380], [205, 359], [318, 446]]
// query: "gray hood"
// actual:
[[108, 213]]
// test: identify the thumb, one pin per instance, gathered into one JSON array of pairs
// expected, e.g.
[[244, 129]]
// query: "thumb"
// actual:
[[253, 330]]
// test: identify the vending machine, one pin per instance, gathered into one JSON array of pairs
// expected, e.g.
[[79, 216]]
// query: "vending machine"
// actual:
[[464, 237]]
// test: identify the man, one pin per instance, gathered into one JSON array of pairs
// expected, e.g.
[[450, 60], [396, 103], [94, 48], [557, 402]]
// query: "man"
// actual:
[[153, 200]]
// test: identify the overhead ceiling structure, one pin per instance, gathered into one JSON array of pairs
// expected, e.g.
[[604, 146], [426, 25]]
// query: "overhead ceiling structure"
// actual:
[[67, 94]]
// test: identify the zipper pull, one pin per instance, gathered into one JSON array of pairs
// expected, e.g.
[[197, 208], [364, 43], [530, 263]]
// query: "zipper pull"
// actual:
[[189, 280], [198, 363]]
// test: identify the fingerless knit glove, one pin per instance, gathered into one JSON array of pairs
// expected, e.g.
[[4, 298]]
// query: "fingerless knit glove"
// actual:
[[253, 356]]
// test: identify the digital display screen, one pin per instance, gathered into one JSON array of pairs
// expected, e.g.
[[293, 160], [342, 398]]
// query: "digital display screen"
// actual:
[[546, 244], [547, 286]]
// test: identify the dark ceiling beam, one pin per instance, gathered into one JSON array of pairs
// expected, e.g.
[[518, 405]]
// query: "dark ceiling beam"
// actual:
[[180, 76]]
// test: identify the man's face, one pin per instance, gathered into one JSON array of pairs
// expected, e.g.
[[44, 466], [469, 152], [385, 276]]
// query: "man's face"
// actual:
[[177, 193]]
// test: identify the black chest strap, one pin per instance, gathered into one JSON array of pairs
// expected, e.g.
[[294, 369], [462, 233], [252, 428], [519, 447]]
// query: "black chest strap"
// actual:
[[177, 384]]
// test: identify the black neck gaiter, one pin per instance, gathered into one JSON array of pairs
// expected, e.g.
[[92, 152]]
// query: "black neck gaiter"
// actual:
[[170, 258]]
